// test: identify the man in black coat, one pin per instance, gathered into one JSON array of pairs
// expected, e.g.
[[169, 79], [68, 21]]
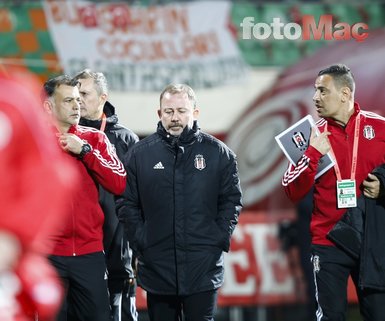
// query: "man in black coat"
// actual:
[[360, 234], [180, 208], [98, 113]]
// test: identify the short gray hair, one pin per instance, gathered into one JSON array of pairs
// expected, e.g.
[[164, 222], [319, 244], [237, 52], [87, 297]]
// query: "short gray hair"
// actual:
[[179, 89], [100, 80]]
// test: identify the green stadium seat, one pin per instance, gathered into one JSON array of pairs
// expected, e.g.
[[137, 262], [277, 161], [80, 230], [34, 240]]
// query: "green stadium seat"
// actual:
[[275, 10], [314, 9], [240, 10], [285, 52], [344, 12], [254, 52], [376, 14]]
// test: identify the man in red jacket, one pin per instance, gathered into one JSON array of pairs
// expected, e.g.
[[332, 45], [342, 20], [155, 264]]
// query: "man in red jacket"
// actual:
[[356, 140], [35, 185], [77, 253]]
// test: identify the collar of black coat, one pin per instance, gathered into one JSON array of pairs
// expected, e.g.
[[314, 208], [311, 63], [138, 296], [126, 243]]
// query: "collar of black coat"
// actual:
[[111, 120], [188, 135]]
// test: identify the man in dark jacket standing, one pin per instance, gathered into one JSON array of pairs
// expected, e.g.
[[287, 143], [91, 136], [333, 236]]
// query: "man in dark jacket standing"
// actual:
[[98, 113], [180, 208]]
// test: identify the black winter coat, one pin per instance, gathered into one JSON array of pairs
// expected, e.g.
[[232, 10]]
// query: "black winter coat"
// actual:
[[118, 253], [360, 232], [182, 204]]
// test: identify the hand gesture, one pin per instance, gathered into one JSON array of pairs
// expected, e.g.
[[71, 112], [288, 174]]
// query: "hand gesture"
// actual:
[[320, 142], [371, 186], [70, 143]]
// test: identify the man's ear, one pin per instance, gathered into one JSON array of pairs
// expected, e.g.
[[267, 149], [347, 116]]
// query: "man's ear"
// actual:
[[47, 105], [104, 98], [345, 94], [159, 113], [196, 113]]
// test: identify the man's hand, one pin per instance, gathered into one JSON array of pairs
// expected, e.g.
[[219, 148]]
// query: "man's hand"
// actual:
[[71, 143], [321, 142], [10, 250], [371, 186]]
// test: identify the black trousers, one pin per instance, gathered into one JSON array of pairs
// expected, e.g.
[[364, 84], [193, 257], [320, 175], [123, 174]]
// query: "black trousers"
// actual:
[[84, 278], [332, 268], [123, 299], [195, 307]]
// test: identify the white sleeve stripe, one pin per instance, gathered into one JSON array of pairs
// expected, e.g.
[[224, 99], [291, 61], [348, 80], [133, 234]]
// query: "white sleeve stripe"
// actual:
[[290, 175], [372, 115], [115, 164]]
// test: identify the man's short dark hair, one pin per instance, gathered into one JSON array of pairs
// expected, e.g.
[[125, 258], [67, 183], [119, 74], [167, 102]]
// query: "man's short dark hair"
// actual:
[[341, 75], [51, 84]]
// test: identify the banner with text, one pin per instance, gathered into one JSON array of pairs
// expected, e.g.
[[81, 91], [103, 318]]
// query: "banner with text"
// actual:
[[146, 48]]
